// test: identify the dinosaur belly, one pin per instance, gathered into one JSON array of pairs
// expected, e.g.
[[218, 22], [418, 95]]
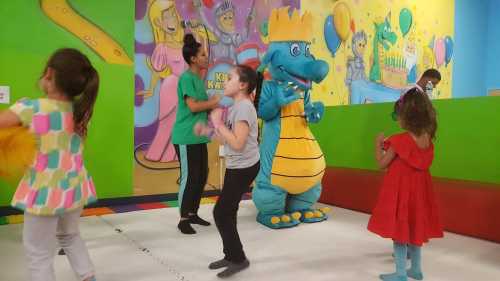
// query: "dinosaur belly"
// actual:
[[298, 164]]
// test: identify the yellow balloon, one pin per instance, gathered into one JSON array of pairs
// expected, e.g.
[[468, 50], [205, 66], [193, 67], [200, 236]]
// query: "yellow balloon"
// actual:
[[342, 20]]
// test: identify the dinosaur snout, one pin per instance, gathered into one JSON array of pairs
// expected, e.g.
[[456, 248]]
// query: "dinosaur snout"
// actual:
[[317, 70]]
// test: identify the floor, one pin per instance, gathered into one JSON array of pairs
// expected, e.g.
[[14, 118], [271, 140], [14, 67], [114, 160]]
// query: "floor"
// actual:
[[146, 246]]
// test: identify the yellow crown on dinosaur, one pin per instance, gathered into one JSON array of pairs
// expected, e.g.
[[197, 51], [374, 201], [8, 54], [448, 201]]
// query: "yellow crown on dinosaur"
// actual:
[[282, 27]]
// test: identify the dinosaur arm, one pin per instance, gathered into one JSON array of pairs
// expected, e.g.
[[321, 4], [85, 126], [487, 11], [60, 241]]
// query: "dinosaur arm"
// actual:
[[313, 111], [268, 102]]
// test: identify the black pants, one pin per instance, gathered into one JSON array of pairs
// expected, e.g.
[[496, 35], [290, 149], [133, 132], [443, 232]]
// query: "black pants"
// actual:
[[194, 173], [236, 183]]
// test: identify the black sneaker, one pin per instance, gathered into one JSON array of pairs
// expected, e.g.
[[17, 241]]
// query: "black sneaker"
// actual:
[[195, 219], [185, 227], [219, 264], [233, 268]]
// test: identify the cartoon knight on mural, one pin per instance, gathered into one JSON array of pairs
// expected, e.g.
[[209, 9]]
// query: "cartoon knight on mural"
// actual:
[[292, 163], [356, 64], [224, 28]]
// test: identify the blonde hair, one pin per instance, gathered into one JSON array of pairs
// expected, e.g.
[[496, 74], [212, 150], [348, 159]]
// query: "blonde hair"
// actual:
[[156, 10]]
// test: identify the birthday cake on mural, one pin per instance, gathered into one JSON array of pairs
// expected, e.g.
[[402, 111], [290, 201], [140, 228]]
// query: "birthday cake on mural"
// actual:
[[394, 71]]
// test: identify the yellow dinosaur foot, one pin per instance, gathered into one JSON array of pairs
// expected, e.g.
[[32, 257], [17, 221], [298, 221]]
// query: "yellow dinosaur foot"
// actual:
[[311, 216], [279, 221]]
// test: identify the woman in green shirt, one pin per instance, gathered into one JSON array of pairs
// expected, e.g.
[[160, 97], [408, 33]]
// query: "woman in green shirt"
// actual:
[[191, 149]]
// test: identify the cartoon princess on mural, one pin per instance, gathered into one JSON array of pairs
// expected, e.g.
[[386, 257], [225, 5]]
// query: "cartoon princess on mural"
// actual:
[[225, 29], [166, 64]]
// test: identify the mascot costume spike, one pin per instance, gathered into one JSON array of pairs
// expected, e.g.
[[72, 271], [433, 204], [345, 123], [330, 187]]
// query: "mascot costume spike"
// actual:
[[292, 163]]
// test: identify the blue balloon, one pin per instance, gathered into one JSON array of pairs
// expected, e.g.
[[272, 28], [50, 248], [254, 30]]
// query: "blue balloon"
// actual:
[[449, 49], [331, 37]]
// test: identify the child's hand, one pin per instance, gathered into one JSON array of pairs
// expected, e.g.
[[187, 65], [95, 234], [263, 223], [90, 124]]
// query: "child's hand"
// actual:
[[379, 140], [215, 99], [201, 129], [216, 117]]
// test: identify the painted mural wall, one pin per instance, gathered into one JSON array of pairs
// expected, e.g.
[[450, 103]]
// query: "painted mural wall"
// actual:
[[378, 48], [232, 32]]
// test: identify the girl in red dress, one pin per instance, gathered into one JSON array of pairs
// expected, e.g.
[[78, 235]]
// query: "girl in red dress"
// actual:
[[406, 210]]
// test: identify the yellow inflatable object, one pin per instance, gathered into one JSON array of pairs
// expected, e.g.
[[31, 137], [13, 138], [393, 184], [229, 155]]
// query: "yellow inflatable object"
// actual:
[[342, 20], [60, 12], [17, 151]]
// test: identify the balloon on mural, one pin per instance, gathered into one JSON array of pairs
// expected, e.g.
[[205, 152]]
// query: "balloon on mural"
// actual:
[[405, 21], [431, 43], [440, 51], [342, 20], [208, 3], [331, 37], [448, 41]]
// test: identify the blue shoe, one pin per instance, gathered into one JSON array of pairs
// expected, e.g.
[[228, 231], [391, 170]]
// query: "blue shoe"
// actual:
[[417, 275], [415, 271], [400, 252], [393, 277]]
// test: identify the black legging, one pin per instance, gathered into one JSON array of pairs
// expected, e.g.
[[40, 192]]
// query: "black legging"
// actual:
[[194, 173], [236, 183]]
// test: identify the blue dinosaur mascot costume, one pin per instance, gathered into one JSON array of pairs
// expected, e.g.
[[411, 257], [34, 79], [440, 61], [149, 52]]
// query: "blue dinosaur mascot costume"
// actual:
[[292, 163]]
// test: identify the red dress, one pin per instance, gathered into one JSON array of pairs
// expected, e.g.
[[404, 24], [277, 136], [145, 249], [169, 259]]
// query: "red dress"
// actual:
[[406, 210]]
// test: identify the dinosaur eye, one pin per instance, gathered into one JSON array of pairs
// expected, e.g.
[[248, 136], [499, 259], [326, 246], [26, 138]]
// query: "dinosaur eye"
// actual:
[[295, 49], [308, 50]]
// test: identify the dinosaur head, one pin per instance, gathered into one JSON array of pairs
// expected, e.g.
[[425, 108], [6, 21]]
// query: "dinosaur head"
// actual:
[[292, 62], [288, 56], [384, 31]]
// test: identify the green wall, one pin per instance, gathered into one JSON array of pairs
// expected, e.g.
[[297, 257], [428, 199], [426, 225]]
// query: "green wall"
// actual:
[[467, 145], [28, 37]]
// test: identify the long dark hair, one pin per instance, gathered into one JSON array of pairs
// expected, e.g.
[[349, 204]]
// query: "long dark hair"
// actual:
[[75, 76], [190, 48], [416, 112], [258, 89]]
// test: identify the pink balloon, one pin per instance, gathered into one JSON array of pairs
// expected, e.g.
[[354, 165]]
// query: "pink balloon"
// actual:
[[440, 51]]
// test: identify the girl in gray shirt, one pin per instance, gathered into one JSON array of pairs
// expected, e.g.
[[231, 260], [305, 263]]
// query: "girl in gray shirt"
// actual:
[[239, 134]]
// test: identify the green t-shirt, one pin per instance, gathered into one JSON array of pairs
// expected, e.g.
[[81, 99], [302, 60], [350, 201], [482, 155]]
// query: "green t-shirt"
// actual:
[[190, 85]]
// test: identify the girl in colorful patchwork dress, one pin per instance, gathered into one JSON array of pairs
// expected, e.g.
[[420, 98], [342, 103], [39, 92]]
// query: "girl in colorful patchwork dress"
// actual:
[[56, 187], [406, 210]]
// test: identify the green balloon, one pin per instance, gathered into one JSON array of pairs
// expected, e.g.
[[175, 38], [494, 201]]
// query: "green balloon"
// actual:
[[405, 21]]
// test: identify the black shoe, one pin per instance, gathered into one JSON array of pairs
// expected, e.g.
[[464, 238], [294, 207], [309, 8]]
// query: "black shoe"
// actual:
[[195, 219], [233, 268], [219, 264], [185, 227]]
